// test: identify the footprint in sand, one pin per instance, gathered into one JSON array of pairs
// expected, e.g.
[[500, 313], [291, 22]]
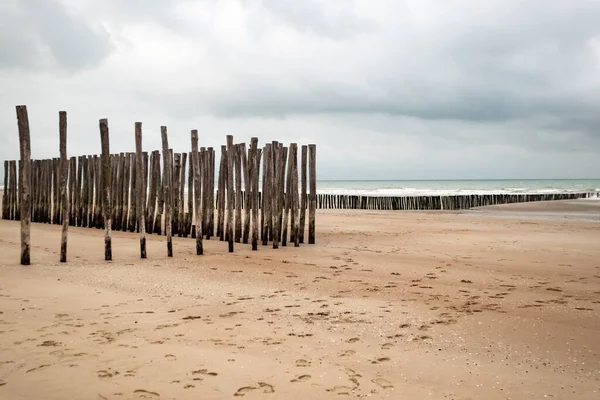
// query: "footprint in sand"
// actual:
[[341, 390], [204, 372], [262, 387], [170, 357], [387, 346], [145, 394], [301, 378], [383, 383], [37, 368], [380, 360], [302, 363], [346, 353], [106, 373]]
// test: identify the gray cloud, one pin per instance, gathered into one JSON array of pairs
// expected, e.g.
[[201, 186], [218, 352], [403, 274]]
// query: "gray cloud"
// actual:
[[387, 89], [43, 34]]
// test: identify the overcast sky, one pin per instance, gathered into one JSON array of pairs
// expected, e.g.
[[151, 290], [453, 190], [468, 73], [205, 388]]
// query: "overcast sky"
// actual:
[[387, 89]]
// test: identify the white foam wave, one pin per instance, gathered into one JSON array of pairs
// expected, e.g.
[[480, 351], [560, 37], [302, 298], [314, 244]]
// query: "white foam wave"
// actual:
[[400, 192]]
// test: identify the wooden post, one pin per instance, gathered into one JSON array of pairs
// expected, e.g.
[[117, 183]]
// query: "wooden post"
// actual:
[[106, 174], [24, 175], [90, 205], [201, 191], [255, 174], [221, 194], [140, 188], [181, 201], [168, 193], [195, 161], [160, 192], [312, 152], [127, 186], [132, 217], [302, 224], [62, 133], [211, 193], [230, 193], [247, 192], [4, 192], [238, 193], [266, 195], [190, 197], [288, 200], [281, 188], [275, 156]]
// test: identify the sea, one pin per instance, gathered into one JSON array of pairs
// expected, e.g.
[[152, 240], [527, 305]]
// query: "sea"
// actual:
[[457, 187]]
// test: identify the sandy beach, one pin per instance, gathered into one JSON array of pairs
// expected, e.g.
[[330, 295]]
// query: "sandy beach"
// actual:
[[487, 304]]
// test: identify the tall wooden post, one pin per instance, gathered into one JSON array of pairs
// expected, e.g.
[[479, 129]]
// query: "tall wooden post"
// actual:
[[238, 193], [312, 153], [221, 194], [247, 190], [106, 174], [265, 219], [211, 193], [168, 193], [140, 188], [255, 171], [195, 161], [287, 200], [302, 221], [230, 193], [64, 169], [24, 176]]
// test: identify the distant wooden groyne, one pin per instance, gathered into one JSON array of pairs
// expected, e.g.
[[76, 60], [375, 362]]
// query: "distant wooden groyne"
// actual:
[[145, 192], [450, 202]]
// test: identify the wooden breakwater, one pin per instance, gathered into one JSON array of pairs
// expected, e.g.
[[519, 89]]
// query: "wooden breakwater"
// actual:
[[449, 202], [171, 193]]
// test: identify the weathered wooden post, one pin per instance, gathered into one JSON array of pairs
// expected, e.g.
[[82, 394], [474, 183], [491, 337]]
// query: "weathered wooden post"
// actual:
[[281, 188], [190, 198], [64, 169], [238, 193], [106, 174], [221, 194], [312, 151], [247, 190], [24, 176], [230, 193], [254, 177], [287, 205], [197, 192], [302, 224], [168, 193], [210, 220], [4, 192], [265, 220], [140, 188]]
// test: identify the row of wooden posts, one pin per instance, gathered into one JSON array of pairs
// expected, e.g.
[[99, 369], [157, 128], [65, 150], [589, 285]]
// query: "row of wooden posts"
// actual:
[[447, 202], [146, 192]]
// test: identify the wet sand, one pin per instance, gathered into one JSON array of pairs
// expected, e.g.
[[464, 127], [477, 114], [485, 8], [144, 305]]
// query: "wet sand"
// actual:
[[398, 305]]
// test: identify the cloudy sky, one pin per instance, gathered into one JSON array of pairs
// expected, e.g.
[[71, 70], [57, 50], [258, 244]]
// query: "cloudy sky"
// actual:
[[387, 89]]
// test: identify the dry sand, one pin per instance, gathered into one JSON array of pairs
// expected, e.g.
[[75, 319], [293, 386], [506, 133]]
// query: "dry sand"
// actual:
[[398, 305]]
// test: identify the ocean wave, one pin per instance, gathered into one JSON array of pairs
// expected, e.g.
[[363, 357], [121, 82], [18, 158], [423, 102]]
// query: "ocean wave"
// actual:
[[400, 192]]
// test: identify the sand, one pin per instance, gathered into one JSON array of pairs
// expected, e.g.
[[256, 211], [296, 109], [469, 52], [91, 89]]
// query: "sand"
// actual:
[[398, 305]]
